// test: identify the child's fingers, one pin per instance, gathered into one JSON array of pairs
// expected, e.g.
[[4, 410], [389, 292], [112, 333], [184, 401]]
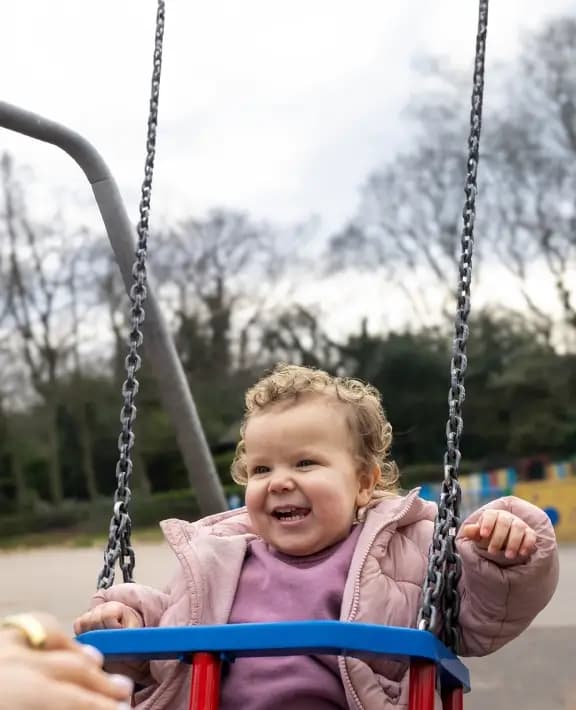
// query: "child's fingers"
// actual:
[[105, 616], [518, 529], [130, 619], [500, 533], [84, 623], [487, 522], [529, 543], [471, 531], [112, 615]]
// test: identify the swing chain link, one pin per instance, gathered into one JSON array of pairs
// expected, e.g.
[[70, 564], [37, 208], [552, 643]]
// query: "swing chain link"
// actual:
[[440, 598], [119, 547]]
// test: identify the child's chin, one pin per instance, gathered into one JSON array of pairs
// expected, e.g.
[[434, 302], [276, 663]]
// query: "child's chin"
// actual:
[[296, 550]]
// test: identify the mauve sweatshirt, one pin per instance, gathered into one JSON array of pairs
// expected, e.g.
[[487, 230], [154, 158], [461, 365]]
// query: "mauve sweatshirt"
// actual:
[[277, 587]]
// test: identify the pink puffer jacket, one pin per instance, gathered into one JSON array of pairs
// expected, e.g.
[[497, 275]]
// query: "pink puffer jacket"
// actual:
[[499, 599]]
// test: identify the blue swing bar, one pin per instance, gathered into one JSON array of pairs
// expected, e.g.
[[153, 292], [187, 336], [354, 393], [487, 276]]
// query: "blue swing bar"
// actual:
[[205, 647]]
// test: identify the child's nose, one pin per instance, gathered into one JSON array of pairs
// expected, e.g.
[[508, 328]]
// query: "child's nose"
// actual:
[[281, 480]]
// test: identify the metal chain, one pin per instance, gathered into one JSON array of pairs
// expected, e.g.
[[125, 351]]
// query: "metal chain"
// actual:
[[119, 547], [441, 600]]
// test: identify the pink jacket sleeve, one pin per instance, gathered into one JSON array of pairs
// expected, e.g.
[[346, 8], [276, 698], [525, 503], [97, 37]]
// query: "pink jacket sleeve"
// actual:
[[151, 604], [500, 599]]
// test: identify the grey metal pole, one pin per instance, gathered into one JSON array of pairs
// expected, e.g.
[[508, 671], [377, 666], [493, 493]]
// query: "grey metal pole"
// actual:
[[158, 343]]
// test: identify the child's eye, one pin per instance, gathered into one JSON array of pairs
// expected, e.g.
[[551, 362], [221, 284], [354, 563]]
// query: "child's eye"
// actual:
[[305, 463], [258, 470]]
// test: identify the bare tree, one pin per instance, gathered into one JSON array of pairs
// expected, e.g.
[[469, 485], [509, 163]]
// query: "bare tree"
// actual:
[[32, 289], [77, 283], [219, 274], [41, 267], [532, 167], [11, 448], [295, 334], [409, 218]]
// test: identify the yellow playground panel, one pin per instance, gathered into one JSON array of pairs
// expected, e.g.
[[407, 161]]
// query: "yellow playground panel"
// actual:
[[558, 499]]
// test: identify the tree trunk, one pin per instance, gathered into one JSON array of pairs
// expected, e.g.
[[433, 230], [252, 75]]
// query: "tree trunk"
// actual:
[[140, 480], [54, 465], [17, 470], [85, 436]]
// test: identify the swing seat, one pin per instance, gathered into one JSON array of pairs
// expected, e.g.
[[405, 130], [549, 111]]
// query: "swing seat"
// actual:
[[205, 647]]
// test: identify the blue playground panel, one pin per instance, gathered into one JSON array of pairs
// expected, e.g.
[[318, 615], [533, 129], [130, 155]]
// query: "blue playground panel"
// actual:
[[339, 638], [553, 514]]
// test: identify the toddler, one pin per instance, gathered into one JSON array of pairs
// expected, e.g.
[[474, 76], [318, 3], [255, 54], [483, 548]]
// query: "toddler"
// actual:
[[325, 534]]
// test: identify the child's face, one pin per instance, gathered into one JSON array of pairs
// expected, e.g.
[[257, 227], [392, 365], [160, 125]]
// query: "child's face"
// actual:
[[304, 483]]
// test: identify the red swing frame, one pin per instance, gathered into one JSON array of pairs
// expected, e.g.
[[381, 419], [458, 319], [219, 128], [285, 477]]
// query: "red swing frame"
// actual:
[[206, 674]]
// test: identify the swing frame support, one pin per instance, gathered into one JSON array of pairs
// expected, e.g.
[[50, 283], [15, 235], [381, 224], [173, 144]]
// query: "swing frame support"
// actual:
[[206, 672], [205, 681], [167, 368]]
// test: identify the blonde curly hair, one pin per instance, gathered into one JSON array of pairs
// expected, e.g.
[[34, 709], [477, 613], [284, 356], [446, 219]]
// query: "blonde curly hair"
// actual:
[[371, 431]]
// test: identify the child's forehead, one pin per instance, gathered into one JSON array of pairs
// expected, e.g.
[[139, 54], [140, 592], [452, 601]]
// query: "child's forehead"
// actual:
[[305, 419]]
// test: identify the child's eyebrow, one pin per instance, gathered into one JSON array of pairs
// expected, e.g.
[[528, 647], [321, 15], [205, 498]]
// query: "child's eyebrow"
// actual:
[[310, 452]]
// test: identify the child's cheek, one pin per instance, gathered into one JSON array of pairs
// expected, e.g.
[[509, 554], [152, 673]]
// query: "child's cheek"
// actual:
[[254, 500]]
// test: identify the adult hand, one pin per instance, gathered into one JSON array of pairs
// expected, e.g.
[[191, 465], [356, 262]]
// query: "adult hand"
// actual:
[[62, 675]]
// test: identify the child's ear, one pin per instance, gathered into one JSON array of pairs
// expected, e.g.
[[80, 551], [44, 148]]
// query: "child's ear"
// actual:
[[368, 478]]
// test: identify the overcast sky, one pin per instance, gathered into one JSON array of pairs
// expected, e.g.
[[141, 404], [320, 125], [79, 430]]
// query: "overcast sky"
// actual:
[[280, 108]]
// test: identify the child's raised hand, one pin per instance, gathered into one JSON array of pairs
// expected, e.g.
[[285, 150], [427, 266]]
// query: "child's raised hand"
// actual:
[[501, 531], [110, 615]]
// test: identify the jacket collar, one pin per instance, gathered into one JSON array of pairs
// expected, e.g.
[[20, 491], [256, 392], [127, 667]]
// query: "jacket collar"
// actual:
[[402, 510], [227, 534], [381, 522]]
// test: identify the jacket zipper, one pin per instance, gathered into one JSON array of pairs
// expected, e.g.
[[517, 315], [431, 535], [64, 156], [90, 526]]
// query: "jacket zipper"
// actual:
[[192, 582], [356, 596]]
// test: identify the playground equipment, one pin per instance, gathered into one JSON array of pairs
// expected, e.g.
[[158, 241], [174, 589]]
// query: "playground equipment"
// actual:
[[431, 647]]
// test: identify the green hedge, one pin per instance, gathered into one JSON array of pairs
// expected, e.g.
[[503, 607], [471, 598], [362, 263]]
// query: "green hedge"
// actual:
[[223, 463], [417, 474], [93, 518], [50, 520]]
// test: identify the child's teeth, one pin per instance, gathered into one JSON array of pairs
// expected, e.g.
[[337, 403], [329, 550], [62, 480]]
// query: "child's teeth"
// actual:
[[291, 515]]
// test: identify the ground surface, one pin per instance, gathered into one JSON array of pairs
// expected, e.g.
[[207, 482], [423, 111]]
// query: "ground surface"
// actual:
[[535, 672]]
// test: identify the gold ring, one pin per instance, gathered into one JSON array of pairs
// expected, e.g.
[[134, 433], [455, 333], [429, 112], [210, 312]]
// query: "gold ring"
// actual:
[[29, 625]]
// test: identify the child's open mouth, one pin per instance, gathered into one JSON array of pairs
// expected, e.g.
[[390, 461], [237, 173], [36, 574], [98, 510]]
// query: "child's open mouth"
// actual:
[[290, 514]]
